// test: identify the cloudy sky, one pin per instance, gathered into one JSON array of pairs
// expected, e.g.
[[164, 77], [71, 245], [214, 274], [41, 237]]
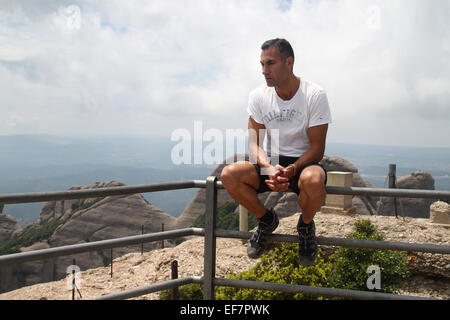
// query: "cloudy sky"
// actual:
[[151, 67]]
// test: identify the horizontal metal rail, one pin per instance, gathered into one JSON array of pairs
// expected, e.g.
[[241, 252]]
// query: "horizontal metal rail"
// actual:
[[211, 185], [395, 193], [16, 198], [314, 291], [344, 242], [158, 236], [140, 291], [269, 286], [96, 245]]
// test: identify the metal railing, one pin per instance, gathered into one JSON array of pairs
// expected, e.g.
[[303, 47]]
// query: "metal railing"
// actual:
[[210, 233]]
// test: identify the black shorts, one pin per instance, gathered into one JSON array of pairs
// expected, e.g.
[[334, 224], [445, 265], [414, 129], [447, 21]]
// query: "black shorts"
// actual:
[[293, 182]]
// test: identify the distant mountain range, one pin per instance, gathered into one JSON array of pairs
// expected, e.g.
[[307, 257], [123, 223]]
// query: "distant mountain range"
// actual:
[[32, 163]]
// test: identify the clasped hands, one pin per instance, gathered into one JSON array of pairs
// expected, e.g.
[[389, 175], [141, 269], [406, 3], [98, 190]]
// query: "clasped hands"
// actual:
[[279, 177]]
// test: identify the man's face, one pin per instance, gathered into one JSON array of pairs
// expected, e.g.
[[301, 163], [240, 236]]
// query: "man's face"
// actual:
[[275, 70]]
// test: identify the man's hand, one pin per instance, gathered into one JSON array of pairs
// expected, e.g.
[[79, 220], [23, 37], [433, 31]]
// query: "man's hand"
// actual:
[[287, 172], [278, 178]]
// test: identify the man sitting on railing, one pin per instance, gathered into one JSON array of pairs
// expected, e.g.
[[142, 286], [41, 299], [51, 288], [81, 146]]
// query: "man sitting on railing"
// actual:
[[298, 112]]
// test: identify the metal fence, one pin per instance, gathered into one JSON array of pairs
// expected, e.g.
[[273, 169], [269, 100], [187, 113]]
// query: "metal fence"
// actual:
[[209, 279]]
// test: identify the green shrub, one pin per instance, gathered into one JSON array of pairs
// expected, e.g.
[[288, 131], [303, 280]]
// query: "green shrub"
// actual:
[[82, 204], [177, 241], [226, 218], [346, 269], [191, 291], [26, 239], [279, 265], [350, 264], [75, 206], [44, 231]]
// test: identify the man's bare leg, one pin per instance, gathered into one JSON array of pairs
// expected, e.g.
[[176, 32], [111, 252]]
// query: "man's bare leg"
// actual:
[[312, 192], [241, 181], [312, 196]]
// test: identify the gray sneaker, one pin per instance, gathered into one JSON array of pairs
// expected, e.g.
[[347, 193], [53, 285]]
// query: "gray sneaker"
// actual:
[[258, 241], [307, 246]]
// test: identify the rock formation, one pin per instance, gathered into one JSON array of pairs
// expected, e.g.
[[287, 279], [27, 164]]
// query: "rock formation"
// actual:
[[410, 207], [85, 221], [8, 227]]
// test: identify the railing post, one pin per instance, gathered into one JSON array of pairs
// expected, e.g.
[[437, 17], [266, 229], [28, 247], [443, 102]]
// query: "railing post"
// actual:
[[209, 268], [175, 293], [142, 244], [162, 241], [392, 183], [243, 220], [73, 280], [111, 254]]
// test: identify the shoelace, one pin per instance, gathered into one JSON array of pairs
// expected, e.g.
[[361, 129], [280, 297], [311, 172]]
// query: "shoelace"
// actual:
[[307, 242], [257, 235]]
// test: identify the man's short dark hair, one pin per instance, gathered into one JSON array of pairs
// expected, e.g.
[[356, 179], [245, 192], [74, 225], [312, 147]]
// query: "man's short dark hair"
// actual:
[[284, 47]]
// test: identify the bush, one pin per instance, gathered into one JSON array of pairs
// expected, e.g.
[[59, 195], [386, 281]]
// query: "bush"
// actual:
[[84, 203], [191, 291], [44, 231], [346, 269], [279, 265], [350, 264], [226, 218], [27, 238]]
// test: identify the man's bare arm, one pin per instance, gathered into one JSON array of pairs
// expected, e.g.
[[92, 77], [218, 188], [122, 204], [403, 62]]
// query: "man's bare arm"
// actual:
[[256, 139], [258, 155], [317, 137]]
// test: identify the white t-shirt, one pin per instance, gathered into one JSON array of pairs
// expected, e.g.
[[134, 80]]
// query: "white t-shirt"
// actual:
[[289, 119]]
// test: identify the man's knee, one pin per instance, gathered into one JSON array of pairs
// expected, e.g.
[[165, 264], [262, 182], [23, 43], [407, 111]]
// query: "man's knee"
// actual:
[[238, 172], [230, 174], [227, 174], [312, 179]]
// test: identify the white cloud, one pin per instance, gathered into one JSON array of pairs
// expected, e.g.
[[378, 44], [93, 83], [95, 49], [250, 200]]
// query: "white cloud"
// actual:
[[154, 66]]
